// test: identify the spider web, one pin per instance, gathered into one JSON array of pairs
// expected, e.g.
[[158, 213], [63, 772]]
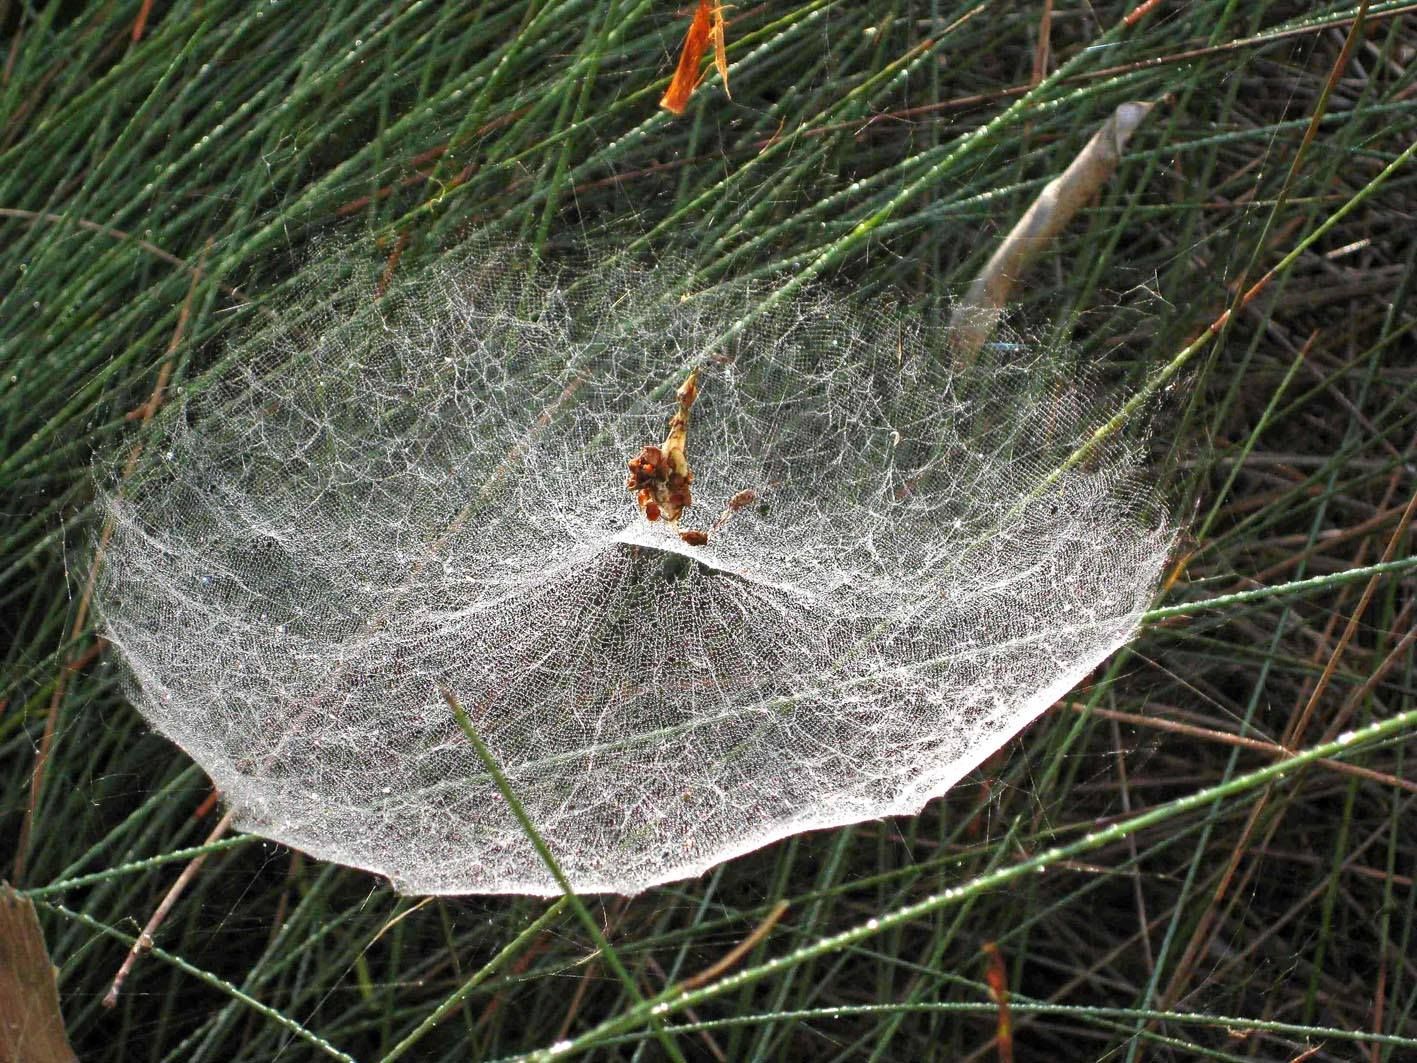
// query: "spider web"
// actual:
[[382, 497]]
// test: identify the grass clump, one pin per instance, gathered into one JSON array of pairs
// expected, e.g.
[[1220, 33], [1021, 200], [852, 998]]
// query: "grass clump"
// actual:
[[1187, 858]]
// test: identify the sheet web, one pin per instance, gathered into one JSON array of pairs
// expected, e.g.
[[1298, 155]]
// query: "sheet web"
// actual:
[[386, 496]]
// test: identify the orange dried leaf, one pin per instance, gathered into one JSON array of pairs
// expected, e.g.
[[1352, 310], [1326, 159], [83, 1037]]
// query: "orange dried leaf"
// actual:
[[686, 75], [717, 26]]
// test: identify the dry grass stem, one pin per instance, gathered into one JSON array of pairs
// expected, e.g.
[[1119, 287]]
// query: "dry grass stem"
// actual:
[[978, 313], [145, 940]]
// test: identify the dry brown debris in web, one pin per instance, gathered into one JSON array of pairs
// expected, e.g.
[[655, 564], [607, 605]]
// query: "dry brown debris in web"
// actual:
[[661, 476]]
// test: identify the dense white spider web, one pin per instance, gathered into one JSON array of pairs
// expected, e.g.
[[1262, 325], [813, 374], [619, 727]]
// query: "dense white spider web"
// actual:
[[390, 496]]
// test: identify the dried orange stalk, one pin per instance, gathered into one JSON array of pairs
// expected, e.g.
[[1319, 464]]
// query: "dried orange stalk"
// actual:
[[708, 25], [997, 978], [718, 25]]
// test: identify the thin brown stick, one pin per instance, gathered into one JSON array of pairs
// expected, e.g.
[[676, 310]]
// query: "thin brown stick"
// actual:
[[1296, 164], [208, 803], [1372, 874], [1258, 745], [1044, 50], [1232, 881], [1351, 628], [1257, 941], [400, 245], [589, 974], [81, 614], [118, 234], [736, 953], [1396, 656], [1124, 791], [1139, 12], [145, 939], [83, 660], [1322, 544], [996, 976], [12, 55], [691, 1014], [141, 22], [979, 311], [1210, 924], [1379, 995], [518, 967]]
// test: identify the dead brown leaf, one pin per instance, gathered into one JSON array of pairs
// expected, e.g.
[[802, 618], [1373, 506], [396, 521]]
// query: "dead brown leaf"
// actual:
[[708, 26], [31, 1027]]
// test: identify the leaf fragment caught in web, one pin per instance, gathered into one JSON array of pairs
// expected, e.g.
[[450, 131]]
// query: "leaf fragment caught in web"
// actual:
[[661, 476]]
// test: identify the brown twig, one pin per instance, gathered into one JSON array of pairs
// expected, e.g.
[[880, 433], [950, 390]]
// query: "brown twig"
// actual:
[[1375, 1053], [1394, 657], [385, 278], [1297, 729], [977, 314], [1321, 544], [1258, 745], [140, 23], [1209, 924], [690, 1013], [12, 54], [145, 939], [118, 234], [515, 970], [738, 951], [207, 804], [1355, 31], [145, 413], [1045, 45], [614, 920], [996, 976]]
